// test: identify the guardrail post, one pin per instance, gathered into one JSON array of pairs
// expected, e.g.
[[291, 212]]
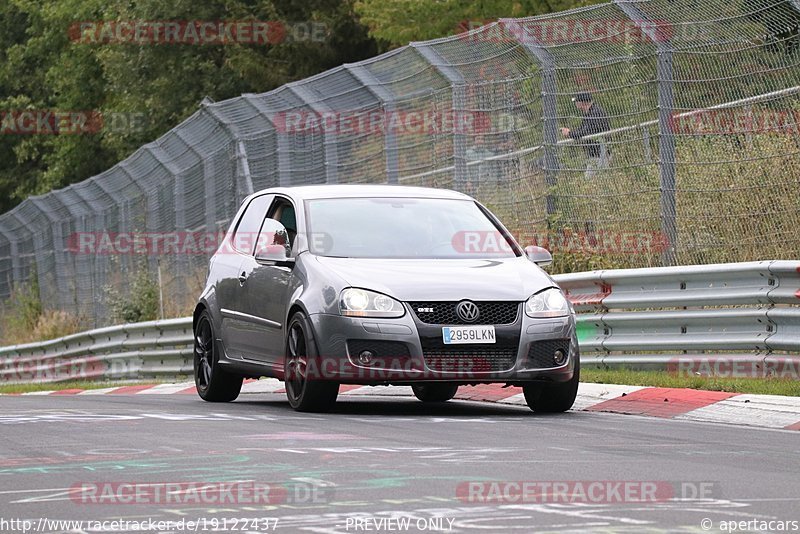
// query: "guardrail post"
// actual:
[[549, 92], [666, 105], [459, 90], [373, 85]]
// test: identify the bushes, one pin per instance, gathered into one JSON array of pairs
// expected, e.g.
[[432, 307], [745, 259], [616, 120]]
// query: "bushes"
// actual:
[[141, 302], [24, 320]]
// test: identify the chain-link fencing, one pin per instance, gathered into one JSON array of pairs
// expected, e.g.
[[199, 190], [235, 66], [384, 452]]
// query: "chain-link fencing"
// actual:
[[633, 133]]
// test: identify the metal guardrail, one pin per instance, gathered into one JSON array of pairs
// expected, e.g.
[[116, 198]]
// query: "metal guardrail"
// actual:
[[661, 317], [129, 351], [656, 317]]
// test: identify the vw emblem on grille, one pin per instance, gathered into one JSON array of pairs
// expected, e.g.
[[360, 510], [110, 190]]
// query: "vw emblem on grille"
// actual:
[[467, 311]]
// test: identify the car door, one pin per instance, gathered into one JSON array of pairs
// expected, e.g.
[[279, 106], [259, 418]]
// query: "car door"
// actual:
[[239, 332], [268, 285]]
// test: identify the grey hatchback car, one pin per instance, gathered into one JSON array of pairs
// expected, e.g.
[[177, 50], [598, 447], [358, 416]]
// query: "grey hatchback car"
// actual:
[[378, 284]]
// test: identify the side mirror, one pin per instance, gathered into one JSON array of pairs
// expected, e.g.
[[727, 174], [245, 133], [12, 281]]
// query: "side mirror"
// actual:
[[538, 255], [273, 244]]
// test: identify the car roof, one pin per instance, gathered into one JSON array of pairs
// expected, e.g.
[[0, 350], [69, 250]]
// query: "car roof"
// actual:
[[305, 192]]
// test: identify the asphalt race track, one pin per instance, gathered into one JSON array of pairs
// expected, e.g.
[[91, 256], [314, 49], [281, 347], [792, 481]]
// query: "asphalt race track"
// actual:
[[381, 465]]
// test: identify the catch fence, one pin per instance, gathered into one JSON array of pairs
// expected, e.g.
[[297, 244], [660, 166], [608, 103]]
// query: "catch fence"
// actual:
[[700, 165]]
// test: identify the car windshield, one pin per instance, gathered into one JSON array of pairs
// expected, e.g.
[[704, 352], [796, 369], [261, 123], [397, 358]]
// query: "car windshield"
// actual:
[[403, 228]]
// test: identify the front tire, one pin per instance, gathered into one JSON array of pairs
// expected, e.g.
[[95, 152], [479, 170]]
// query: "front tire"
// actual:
[[305, 393], [434, 392], [213, 383], [553, 398]]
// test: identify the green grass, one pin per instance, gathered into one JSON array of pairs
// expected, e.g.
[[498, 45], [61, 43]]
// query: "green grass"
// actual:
[[75, 384], [763, 386]]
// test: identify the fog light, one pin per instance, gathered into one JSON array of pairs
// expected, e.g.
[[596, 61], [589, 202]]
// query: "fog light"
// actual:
[[365, 357], [559, 357]]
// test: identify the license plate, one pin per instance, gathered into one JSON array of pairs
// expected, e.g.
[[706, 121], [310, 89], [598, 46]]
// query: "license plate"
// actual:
[[455, 335]]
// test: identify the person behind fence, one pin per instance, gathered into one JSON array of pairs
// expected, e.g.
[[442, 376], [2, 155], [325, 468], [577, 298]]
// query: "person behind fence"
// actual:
[[595, 121], [486, 170]]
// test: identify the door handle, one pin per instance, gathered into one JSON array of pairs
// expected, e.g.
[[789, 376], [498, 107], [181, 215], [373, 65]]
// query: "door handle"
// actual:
[[242, 278]]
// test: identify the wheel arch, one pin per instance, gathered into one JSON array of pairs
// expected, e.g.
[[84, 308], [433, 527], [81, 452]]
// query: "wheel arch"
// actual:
[[198, 310]]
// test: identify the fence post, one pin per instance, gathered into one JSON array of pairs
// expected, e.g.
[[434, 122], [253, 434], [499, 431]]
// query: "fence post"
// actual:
[[282, 148], [331, 150], [549, 91], [242, 165], [210, 193], [131, 222], [95, 272], [180, 262], [16, 271], [38, 258], [13, 256], [385, 97], [666, 137], [459, 89], [58, 243]]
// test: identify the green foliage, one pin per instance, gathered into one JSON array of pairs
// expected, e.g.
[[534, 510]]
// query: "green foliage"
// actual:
[[42, 68], [761, 386], [141, 302], [74, 384], [23, 319], [398, 22], [23, 309]]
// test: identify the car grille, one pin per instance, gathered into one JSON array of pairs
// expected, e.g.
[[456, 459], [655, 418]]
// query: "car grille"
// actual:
[[540, 353], [497, 312], [470, 359]]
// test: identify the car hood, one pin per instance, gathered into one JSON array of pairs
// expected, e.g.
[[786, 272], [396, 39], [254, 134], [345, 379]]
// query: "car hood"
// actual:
[[451, 279]]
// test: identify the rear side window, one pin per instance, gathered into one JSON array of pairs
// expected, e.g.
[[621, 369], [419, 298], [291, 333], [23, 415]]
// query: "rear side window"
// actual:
[[246, 234]]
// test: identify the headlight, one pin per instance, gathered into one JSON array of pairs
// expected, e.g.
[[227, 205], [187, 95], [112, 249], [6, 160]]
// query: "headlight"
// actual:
[[362, 303], [548, 303]]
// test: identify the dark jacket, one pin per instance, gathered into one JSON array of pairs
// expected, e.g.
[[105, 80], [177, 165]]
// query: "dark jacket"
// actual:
[[594, 122]]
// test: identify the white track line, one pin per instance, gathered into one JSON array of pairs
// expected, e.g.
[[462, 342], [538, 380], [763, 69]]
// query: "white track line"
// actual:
[[762, 410], [166, 389], [265, 385]]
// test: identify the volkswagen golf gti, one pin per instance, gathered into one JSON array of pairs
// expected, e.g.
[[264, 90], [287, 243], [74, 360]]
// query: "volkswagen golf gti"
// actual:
[[380, 285]]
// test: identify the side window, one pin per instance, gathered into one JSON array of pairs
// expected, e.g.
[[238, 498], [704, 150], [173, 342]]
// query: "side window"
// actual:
[[244, 238], [283, 211]]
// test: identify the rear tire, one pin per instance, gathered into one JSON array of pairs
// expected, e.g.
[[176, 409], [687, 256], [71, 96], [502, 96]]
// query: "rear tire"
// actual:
[[213, 383], [305, 393], [434, 392], [553, 398]]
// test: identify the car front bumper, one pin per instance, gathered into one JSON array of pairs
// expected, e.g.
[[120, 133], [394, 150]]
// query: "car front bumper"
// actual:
[[406, 351]]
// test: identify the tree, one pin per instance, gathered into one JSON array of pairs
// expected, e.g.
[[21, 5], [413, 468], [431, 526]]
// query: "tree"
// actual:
[[45, 64], [398, 22]]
